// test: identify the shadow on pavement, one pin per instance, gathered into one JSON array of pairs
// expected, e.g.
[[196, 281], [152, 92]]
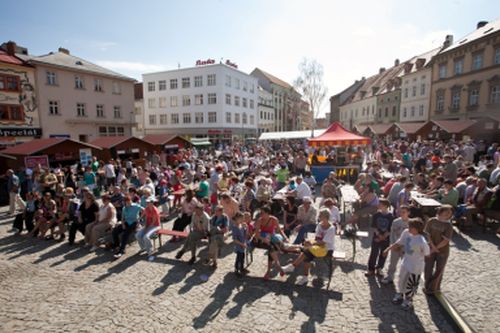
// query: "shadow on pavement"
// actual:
[[122, 264]]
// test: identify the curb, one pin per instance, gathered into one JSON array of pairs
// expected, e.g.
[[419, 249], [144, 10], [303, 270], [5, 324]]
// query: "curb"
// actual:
[[461, 323]]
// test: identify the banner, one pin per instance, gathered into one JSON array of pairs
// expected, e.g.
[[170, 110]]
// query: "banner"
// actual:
[[85, 156], [31, 162]]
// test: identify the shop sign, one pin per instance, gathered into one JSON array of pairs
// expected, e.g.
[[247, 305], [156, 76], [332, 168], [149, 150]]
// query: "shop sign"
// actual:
[[205, 62], [85, 156], [13, 131], [31, 162]]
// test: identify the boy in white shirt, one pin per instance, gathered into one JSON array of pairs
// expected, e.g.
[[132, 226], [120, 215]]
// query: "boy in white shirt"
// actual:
[[416, 249], [398, 226]]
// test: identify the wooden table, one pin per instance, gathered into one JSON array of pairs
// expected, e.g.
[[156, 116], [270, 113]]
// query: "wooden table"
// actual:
[[424, 201]]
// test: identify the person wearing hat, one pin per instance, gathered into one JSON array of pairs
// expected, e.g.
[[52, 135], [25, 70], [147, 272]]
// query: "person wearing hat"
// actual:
[[198, 230], [306, 218], [65, 214], [131, 213], [151, 216]]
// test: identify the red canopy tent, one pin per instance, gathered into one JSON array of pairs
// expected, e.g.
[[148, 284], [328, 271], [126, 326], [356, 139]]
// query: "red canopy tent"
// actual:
[[336, 135]]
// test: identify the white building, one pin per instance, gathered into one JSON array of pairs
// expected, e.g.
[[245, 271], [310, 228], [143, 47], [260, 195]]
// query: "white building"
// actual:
[[416, 89], [265, 111], [138, 129], [215, 100]]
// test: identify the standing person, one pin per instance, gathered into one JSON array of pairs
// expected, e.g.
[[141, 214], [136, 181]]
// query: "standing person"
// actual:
[[415, 250], [218, 227], [239, 231], [214, 185], [198, 230], [87, 214], [381, 224], [131, 213], [152, 217], [109, 173], [14, 189], [105, 221], [398, 226], [440, 231]]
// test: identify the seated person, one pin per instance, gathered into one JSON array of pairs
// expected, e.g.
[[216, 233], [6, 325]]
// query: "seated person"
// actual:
[[478, 202], [217, 228], [65, 214], [367, 205], [198, 230], [324, 240], [44, 215], [131, 213], [151, 217], [449, 194], [306, 220], [290, 211]]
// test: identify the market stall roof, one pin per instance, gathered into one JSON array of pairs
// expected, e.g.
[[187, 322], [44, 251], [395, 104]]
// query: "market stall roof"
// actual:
[[410, 128], [289, 135], [379, 129], [454, 126], [336, 135], [7, 156], [161, 139], [37, 145]]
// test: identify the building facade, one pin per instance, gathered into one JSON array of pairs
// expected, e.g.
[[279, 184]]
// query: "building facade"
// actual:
[[337, 100], [138, 128], [213, 100], [466, 76], [19, 119], [388, 104], [265, 110], [80, 100]]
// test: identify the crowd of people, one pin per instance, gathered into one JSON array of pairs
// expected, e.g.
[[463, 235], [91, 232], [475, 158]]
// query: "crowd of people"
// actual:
[[265, 196]]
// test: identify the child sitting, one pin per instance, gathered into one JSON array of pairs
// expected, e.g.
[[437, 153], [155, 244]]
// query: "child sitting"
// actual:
[[415, 249]]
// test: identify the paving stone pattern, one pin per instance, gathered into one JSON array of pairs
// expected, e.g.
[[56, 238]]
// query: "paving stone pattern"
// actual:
[[51, 287]]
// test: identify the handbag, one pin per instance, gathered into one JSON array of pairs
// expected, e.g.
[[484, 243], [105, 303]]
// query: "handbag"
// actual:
[[318, 251]]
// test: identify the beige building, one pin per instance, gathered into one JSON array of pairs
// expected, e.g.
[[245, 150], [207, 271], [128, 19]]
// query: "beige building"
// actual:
[[265, 111], [466, 76], [81, 100], [19, 121], [138, 127]]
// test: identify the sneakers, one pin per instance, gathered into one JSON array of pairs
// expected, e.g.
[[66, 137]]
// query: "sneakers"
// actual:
[[151, 257], [191, 261], [398, 298], [93, 248], [407, 304], [288, 268], [179, 255], [386, 280], [370, 273], [302, 280], [118, 255], [378, 272]]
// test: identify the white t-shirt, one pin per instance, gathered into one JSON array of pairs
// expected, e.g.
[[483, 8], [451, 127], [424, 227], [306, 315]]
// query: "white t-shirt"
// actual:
[[334, 214], [416, 248], [303, 190], [327, 236], [109, 171]]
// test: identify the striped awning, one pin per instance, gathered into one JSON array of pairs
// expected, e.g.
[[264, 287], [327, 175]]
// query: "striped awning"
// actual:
[[336, 135], [339, 143]]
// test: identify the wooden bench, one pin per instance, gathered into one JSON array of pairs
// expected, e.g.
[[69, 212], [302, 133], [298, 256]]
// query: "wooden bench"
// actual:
[[359, 234], [173, 233]]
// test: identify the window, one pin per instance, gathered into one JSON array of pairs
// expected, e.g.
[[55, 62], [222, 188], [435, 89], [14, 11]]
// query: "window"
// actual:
[[111, 131], [477, 61], [406, 93], [404, 113], [99, 110], [9, 83], [394, 111], [497, 56], [440, 101], [53, 108], [245, 86], [421, 110], [198, 117], [212, 98], [51, 78], [211, 80], [212, 117], [414, 91], [459, 66], [120, 131], [163, 119], [422, 89], [252, 106], [152, 103], [117, 112], [442, 71], [10, 112], [228, 99], [474, 96], [455, 99], [80, 109], [236, 118], [117, 89], [173, 101], [236, 101], [244, 102], [198, 81], [495, 94], [98, 85], [103, 131], [237, 83], [252, 88], [228, 80], [198, 99], [186, 100], [186, 82], [252, 120], [386, 112], [79, 82], [228, 117], [186, 118], [244, 118], [151, 86], [412, 112], [174, 118], [162, 85], [173, 84], [152, 119], [162, 102]]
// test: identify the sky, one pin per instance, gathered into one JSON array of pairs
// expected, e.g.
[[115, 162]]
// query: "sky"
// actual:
[[350, 39]]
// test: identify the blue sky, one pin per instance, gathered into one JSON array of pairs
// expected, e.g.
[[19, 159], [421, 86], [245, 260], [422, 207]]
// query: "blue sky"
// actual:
[[350, 38]]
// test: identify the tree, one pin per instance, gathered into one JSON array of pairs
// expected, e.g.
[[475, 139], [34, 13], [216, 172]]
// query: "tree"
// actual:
[[310, 85]]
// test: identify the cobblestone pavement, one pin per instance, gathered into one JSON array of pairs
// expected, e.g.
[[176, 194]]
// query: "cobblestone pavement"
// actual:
[[48, 286]]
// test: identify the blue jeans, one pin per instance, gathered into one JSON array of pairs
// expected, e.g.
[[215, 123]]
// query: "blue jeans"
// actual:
[[303, 231], [144, 238]]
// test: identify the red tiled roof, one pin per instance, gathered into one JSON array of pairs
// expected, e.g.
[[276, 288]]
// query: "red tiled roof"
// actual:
[[454, 126], [380, 129], [160, 139], [275, 80], [36, 145], [5, 57], [108, 142], [410, 128]]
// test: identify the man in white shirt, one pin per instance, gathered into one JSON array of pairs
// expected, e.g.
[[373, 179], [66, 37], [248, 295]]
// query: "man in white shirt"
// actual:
[[109, 173], [302, 190]]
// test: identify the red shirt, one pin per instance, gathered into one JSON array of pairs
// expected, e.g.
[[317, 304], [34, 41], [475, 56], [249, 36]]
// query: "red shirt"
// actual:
[[152, 215]]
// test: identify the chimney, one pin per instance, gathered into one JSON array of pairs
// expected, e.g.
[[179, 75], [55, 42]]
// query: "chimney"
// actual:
[[396, 62], [363, 78], [11, 48], [63, 50], [448, 41], [481, 24], [381, 70]]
